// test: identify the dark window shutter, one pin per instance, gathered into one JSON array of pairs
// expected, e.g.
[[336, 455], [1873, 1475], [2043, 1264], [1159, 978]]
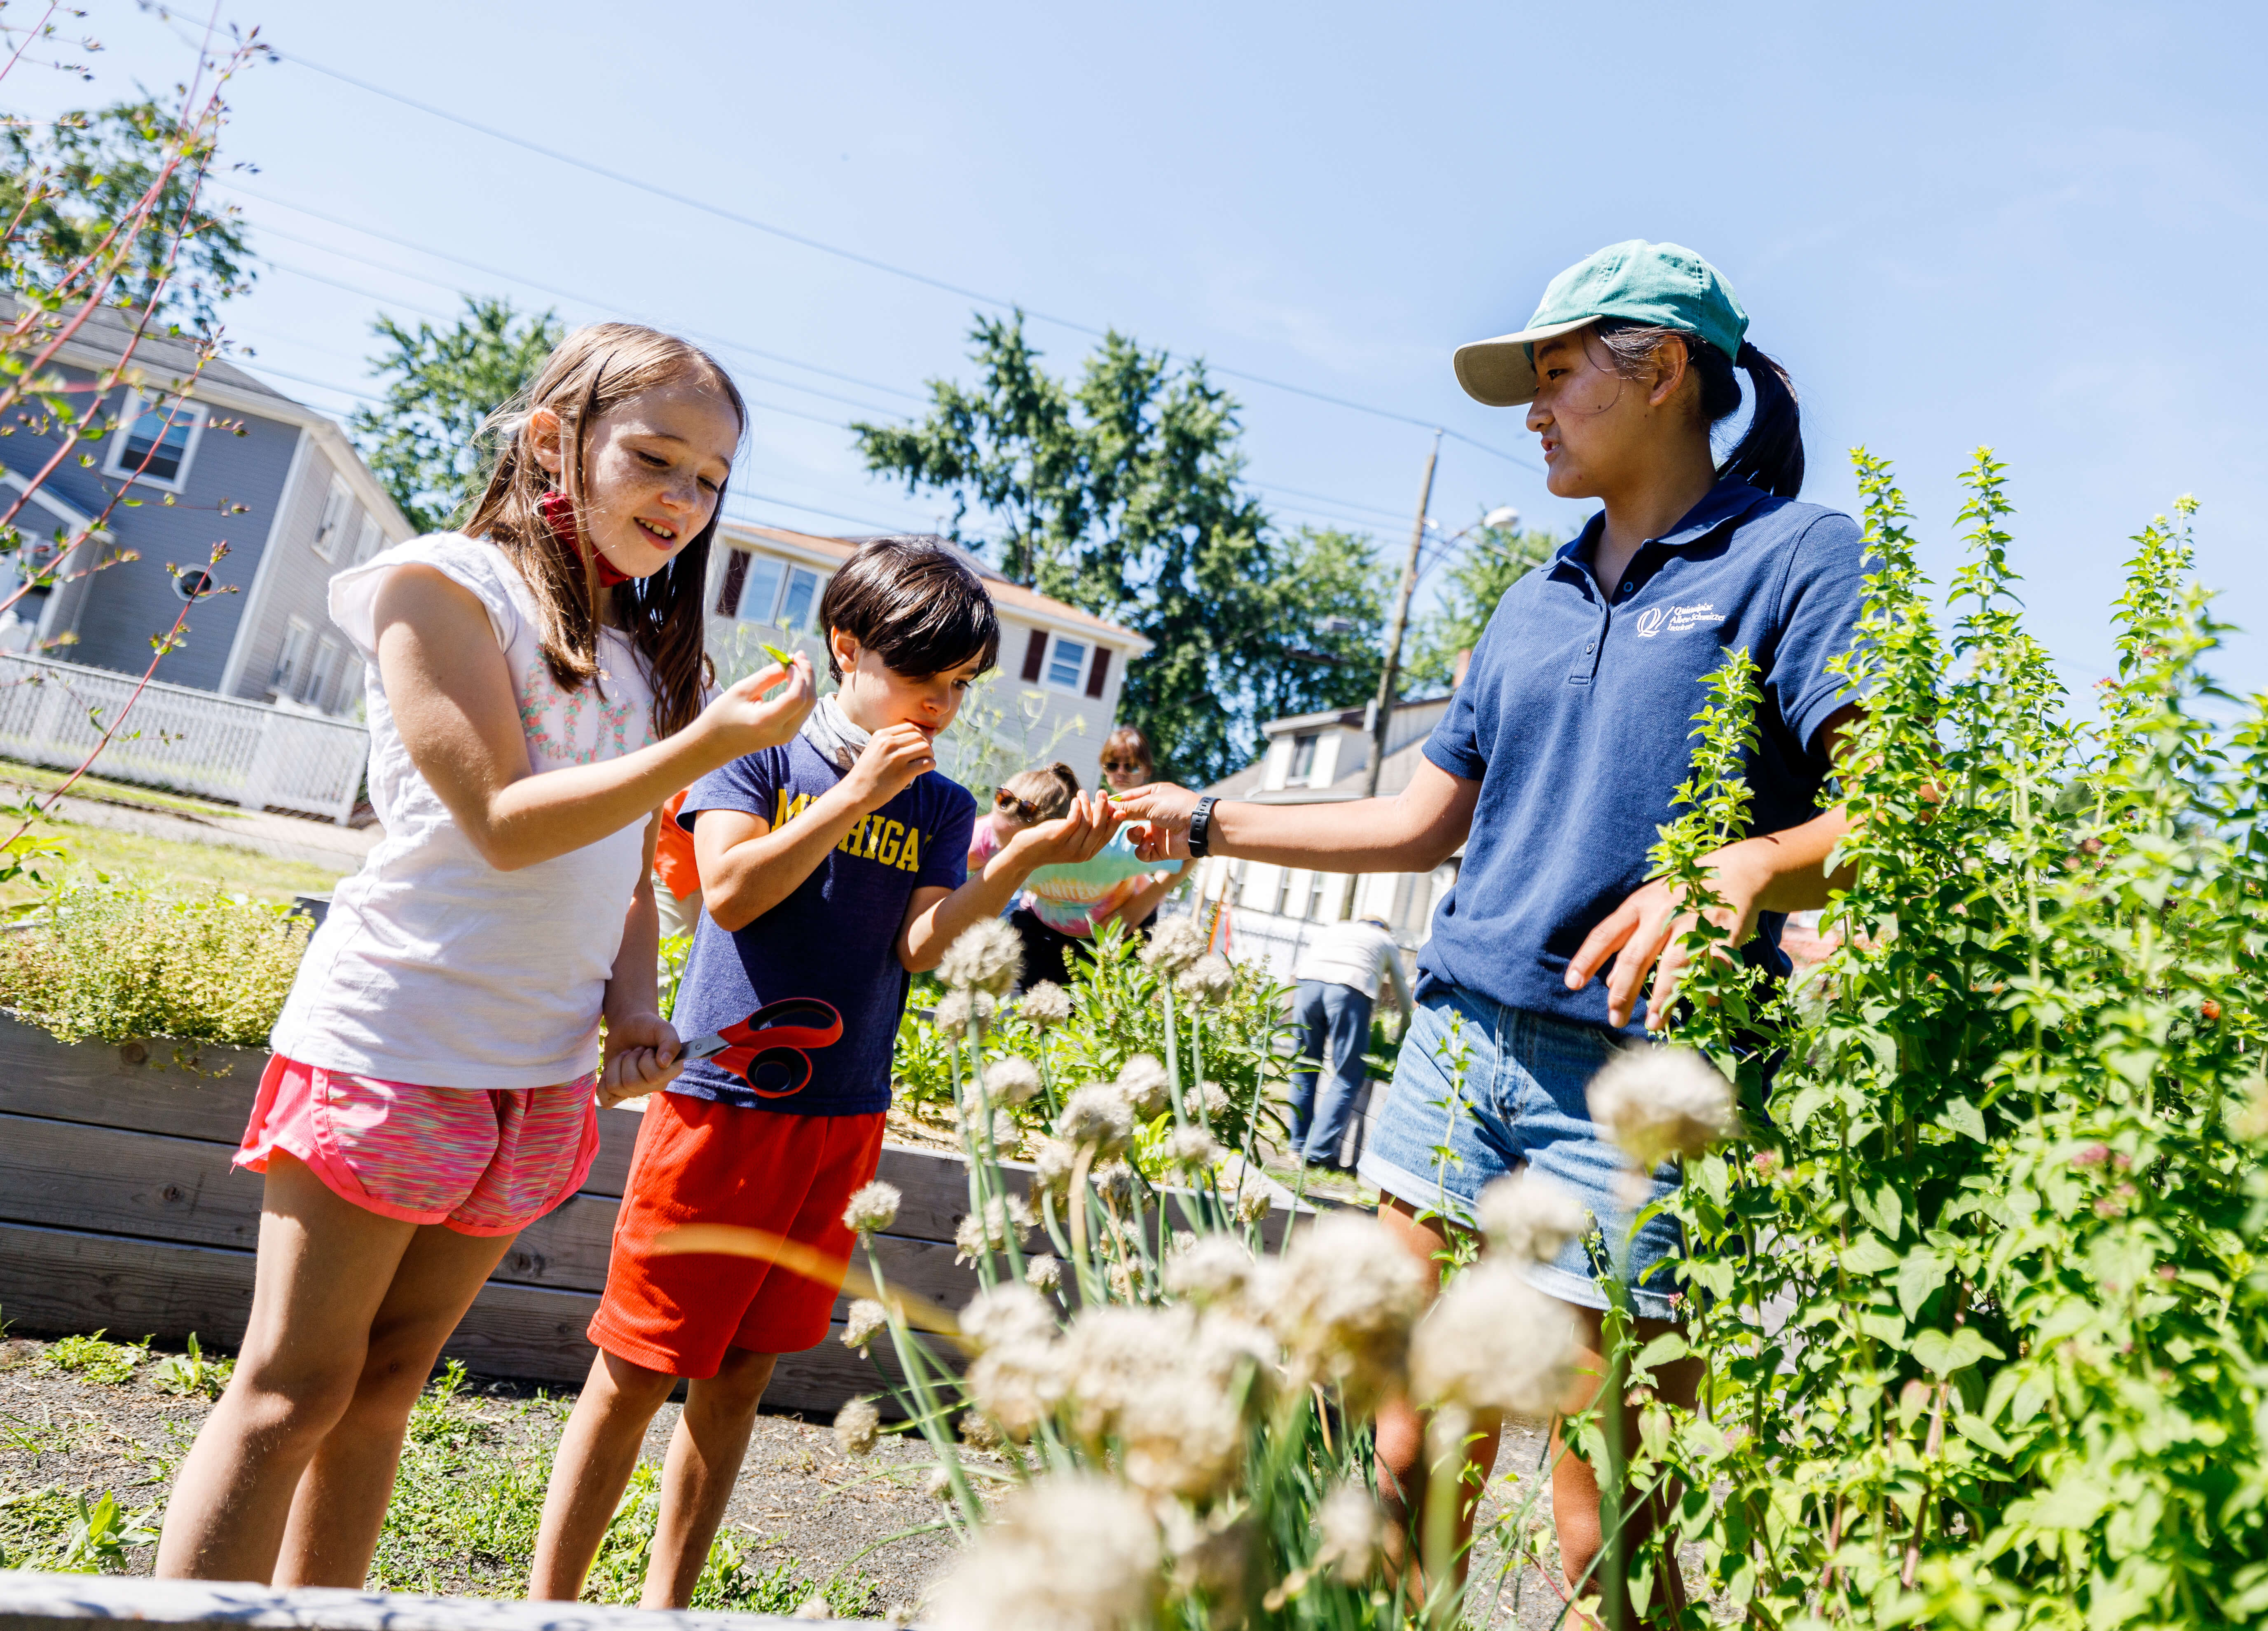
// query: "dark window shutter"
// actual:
[[736, 578], [1097, 674], [1036, 654]]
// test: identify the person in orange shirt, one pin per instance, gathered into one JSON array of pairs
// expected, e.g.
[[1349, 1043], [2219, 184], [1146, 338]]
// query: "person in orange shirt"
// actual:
[[676, 876]]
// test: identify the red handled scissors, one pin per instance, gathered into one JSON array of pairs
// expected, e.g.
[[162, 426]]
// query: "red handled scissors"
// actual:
[[767, 1050]]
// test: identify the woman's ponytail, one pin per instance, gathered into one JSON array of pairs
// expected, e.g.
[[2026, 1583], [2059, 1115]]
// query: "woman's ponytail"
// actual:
[[1769, 455]]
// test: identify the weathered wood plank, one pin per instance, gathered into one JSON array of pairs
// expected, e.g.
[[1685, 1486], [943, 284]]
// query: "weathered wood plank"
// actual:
[[32, 1602], [139, 1085], [72, 1176]]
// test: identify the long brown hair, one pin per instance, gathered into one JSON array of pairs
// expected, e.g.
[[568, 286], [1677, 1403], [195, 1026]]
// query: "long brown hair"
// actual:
[[593, 371]]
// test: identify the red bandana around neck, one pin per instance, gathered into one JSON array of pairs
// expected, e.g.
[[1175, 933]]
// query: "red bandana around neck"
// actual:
[[559, 512]]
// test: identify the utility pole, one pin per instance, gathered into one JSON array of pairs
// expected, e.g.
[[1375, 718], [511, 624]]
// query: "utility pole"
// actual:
[[1382, 704]]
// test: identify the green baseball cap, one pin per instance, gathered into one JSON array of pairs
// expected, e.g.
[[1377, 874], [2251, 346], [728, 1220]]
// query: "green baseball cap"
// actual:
[[1642, 283]]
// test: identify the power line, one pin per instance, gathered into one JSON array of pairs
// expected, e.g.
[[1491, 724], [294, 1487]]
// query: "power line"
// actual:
[[872, 263]]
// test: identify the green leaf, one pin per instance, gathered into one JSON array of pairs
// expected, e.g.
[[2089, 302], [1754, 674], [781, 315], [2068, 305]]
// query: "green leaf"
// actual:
[[1880, 1206], [1869, 1255], [1947, 1352], [1922, 1273], [1959, 1116], [1667, 1347]]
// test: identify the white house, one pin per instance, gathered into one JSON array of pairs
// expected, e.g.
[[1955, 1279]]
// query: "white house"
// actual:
[[1061, 669], [1320, 758]]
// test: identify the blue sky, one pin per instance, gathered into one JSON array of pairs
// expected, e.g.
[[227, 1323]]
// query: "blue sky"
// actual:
[[2039, 228]]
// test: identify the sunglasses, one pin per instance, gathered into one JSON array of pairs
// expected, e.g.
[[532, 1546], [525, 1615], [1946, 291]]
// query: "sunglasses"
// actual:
[[1123, 767], [1008, 803]]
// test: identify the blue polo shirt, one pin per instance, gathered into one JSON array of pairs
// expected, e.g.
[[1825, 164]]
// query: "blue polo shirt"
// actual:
[[1575, 718]]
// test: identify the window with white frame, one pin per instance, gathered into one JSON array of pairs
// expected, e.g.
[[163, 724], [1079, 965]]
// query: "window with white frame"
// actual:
[[1066, 663], [293, 660], [775, 593], [1303, 755], [372, 539], [338, 522], [323, 674], [156, 440]]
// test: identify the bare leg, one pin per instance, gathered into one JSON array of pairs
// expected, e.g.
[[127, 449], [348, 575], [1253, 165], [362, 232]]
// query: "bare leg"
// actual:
[[1575, 1486], [1401, 1426], [706, 1453], [323, 1270], [341, 1503], [597, 1455]]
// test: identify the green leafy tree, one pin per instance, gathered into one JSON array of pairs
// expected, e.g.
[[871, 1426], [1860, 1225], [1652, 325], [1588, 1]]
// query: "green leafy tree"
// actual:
[[1121, 494], [423, 441], [70, 185], [1496, 559]]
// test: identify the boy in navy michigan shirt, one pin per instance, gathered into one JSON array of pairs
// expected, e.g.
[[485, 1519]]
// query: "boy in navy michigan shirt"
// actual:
[[831, 868]]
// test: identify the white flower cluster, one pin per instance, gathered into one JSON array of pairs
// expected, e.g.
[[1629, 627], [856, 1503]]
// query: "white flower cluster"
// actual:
[[1044, 1273], [1143, 1080], [872, 1208], [1530, 1217], [857, 1426], [1348, 1296], [1193, 1148], [972, 1239], [1045, 1004], [1493, 1341], [1208, 982], [988, 955], [1176, 943], [866, 1321], [957, 1011], [1659, 1101], [1069, 1552], [1014, 1079], [1097, 1114]]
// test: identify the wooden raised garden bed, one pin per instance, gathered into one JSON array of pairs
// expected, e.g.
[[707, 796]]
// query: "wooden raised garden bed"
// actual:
[[119, 1210]]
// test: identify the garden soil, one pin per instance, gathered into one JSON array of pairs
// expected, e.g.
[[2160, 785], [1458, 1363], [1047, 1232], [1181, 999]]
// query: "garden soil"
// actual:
[[472, 1486]]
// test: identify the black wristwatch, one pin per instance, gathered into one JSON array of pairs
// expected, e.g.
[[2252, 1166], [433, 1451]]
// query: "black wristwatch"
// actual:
[[1201, 825]]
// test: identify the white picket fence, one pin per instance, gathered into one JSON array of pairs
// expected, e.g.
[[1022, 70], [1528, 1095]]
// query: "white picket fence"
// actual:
[[188, 740]]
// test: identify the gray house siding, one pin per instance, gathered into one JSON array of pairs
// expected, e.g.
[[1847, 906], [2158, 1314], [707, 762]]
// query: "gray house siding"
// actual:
[[131, 601], [299, 581]]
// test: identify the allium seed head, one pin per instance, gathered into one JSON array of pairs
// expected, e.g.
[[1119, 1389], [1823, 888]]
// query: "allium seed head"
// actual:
[[1530, 1217], [986, 956], [1012, 1080], [1115, 1183], [1052, 1159], [1068, 1552], [872, 1208], [1176, 943], [1253, 1204], [1345, 1301], [1003, 1215], [1656, 1101], [1208, 982], [866, 1321], [1193, 1148], [1097, 1114], [957, 1011], [1216, 1269], [1004, 1314], [1044, 1274], [1217, 1102], [1492, 1342], [1045, 1004], [1142, 1079], [1352, 1530], [857, 1425]]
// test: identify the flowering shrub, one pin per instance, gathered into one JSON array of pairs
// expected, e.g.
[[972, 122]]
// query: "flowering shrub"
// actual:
[[1985, 1333], [1218, 1022], [113, 963]]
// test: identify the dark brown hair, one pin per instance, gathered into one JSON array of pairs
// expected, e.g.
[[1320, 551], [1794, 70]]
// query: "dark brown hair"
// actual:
[[1770, 452], [593, 371], [1130, 739], [916, 603], [1050, 791]]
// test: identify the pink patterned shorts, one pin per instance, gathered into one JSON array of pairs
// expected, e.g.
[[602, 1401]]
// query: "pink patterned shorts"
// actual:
[[480, 1161]]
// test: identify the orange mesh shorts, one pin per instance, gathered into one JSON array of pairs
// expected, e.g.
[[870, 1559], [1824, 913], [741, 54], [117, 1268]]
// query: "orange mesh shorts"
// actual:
[[699, 1161]]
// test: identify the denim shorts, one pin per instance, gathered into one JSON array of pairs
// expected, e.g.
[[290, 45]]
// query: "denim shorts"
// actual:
[[1518, 1100]]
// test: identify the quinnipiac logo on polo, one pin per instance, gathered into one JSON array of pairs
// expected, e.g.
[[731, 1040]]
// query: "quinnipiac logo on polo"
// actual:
[[1678, 619]]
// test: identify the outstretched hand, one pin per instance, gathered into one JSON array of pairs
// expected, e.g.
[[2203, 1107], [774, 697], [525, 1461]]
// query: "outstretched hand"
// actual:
[[1076, 836], [1162, 810], [750, 719], [1648, 929]]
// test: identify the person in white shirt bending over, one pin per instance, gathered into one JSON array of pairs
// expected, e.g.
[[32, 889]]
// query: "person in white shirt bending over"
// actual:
[[1338, 986]]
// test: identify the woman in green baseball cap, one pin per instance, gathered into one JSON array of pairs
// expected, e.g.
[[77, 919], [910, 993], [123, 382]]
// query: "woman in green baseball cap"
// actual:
[[1552, 771]]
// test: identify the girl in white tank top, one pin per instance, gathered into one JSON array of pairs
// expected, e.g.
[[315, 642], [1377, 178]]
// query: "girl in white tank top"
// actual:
[[537, 690]]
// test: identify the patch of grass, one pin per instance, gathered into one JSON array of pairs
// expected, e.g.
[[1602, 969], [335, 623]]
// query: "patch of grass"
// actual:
[[60, 1532], [94, 1358], [45, 780], [469, 1498], [192, 1373], [98, 852]]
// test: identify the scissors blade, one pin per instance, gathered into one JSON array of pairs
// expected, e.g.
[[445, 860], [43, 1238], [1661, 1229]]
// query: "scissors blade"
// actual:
[[703, 1047]]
